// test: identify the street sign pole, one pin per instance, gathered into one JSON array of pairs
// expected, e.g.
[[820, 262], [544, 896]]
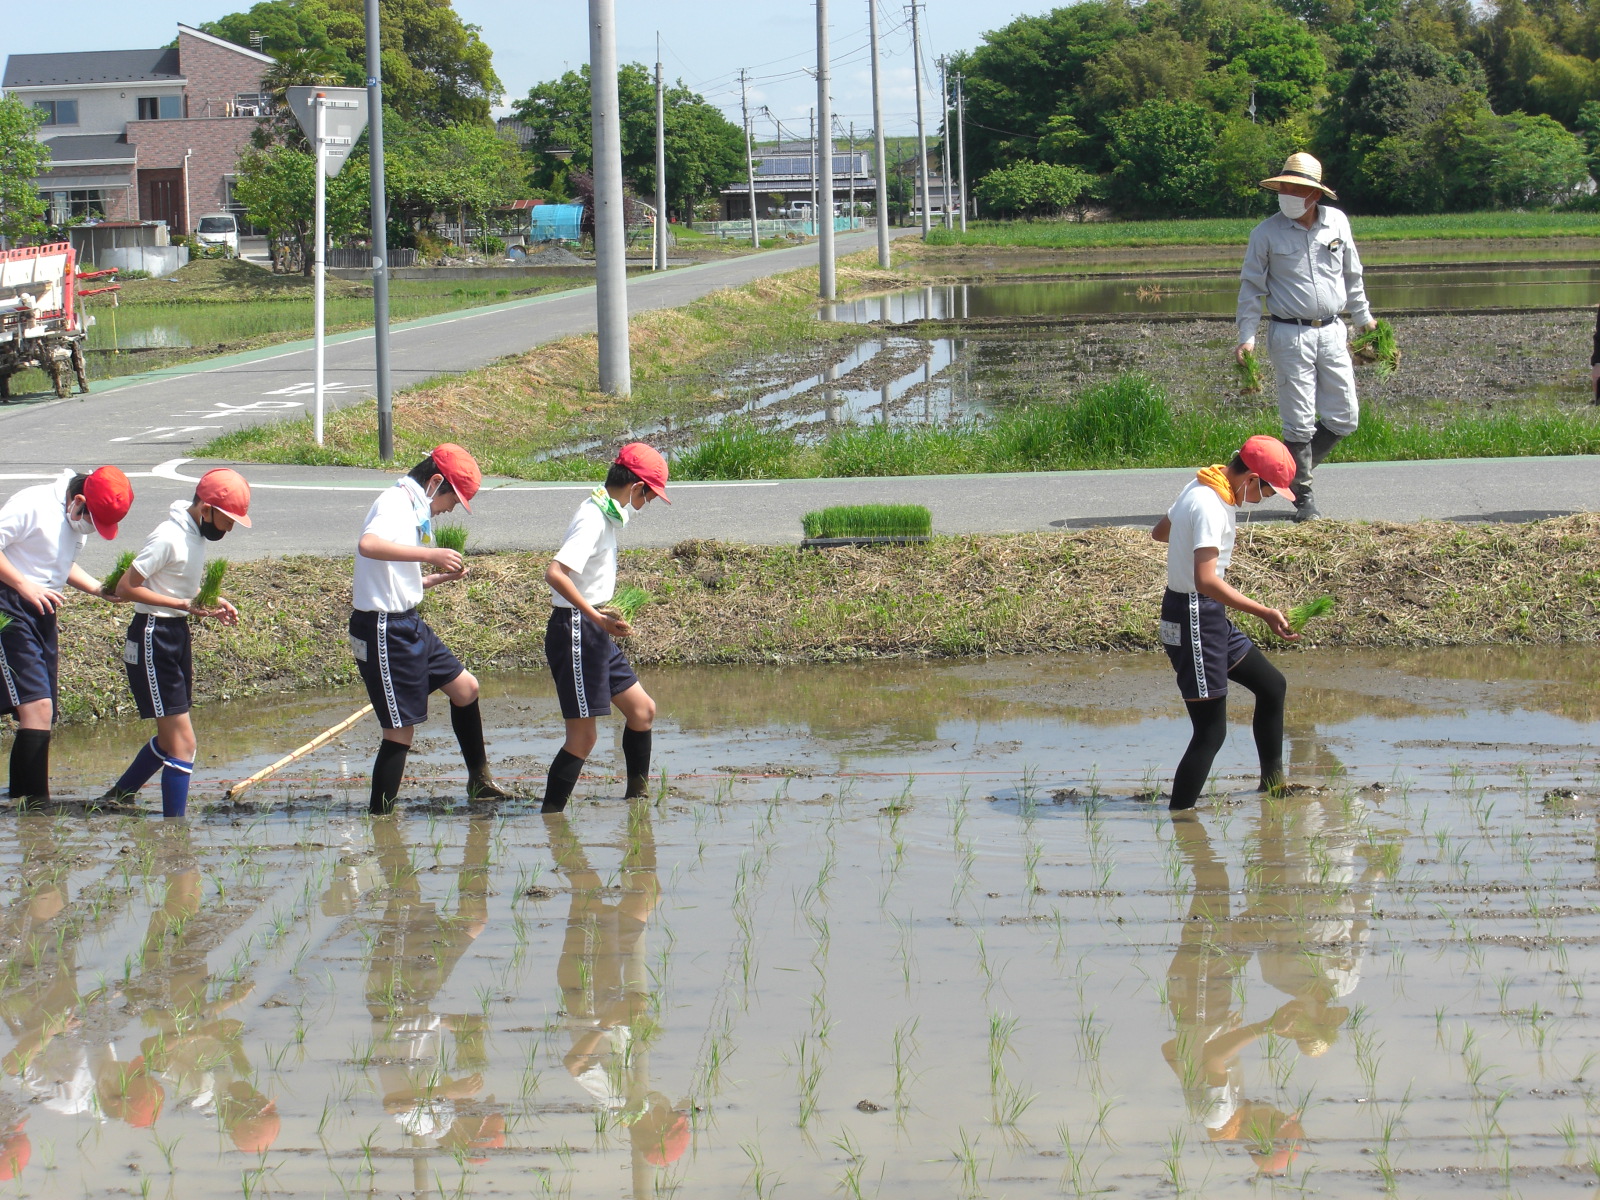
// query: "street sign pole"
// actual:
[[320, 106]]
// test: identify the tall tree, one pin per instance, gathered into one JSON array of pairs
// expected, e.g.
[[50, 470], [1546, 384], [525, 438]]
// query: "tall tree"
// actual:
[[22, 160]]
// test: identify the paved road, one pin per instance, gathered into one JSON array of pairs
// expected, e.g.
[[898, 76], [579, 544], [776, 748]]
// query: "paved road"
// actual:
[[148, 419], [303, 510]]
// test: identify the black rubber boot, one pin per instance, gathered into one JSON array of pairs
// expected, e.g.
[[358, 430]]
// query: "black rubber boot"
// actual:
[[1305, 506], [636, 754], [563, 777], [388, 769], [1323, 440]]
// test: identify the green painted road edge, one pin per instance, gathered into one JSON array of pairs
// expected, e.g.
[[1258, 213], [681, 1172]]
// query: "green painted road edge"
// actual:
[[280, 349]]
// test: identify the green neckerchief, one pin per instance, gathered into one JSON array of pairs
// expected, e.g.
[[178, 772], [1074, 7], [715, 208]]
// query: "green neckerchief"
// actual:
[[612, 510]]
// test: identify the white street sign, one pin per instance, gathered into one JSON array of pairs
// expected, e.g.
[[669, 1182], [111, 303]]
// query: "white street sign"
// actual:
[[344, 117]]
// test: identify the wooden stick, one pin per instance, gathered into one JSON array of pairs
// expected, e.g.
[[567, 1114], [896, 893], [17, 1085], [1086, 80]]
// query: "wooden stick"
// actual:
[[322, 739]]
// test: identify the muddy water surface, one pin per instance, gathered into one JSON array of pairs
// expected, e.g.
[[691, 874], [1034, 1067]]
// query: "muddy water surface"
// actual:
[[899, 930]]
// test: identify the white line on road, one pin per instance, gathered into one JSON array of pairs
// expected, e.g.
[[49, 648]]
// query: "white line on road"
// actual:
[[170, 470]]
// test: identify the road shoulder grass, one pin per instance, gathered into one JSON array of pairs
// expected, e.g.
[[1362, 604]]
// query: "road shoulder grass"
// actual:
[[1427, 584]]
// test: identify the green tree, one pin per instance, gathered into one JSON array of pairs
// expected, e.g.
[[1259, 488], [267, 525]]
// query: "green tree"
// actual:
[[435, 66], [1517, 161], [277, 187], [1162, 156], [1031, 189], [451, 169], [705, 151], [22, 160]]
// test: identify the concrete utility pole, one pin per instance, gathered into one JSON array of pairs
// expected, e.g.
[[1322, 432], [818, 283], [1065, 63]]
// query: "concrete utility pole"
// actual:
[[825, 126], [661, 165], [961, 146], [922, 129], [749, 157], [852, 174], [944, 140], [815, 228], [380, 234], [880, 167], [610, 233]]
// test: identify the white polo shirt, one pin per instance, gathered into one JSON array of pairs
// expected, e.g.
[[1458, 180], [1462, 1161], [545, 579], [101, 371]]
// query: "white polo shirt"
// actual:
[[172, 560], [37, 538], [589, 552], [1200, 519], [397, 515]]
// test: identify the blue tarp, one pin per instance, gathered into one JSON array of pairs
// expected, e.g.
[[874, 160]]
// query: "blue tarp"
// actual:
[[555, 223]]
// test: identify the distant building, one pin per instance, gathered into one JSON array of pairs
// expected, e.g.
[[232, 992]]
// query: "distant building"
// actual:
[[785, 174], [143, 135]]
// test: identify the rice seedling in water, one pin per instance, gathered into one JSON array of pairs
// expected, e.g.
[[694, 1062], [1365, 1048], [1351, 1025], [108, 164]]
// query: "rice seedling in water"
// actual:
[[451, 537], [1378, 347], [108, 584], [1302, 615], [868, 520], [1249, 368], [211, 583]]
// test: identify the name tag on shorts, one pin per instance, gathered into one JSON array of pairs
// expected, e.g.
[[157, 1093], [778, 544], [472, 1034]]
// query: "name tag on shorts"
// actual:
[[130, 653], [357, 647], [1171, 633]]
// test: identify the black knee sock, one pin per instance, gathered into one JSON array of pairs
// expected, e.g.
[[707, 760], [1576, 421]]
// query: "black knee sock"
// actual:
[[30, 765], [1210, 720], [467, 721], [564, 771], [1258, 674], [636, 753], [388, 769]]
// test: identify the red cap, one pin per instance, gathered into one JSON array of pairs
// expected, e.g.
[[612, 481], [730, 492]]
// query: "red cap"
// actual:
[[226, 491], [1270, 459], [15, 1152], [109, 496], [646, 462], [255, 1134], [460, 471], [667, 1145]]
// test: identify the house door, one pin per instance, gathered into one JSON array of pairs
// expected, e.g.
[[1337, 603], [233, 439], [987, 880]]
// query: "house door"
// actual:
[[161, 199]]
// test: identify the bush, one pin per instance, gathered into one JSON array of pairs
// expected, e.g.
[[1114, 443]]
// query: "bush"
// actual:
[[1031, 189], [489, 244], [736, 450]]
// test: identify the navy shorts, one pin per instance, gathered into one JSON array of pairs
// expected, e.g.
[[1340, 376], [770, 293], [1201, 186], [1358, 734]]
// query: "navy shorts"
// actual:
[[588, 666], [402, 662], [1201, 642], [28, 654], [160, 665]]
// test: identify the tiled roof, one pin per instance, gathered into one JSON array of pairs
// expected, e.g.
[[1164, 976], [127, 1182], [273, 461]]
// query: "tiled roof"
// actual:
[[92, 66], [90, 147]]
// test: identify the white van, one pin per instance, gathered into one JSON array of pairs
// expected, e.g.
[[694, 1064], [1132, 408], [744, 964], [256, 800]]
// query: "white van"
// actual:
[[218, 229]]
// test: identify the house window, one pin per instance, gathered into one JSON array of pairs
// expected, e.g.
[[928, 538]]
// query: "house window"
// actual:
[[58, 112], [79, 205], [160, 108]]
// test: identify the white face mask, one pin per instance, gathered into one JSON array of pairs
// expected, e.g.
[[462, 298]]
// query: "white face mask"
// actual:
[[1293, 207], [78, 517]]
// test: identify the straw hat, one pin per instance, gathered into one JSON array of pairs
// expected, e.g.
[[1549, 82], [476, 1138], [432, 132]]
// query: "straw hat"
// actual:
[[1301, 169]]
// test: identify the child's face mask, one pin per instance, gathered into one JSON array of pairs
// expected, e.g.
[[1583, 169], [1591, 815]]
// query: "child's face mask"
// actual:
[[78, 516]]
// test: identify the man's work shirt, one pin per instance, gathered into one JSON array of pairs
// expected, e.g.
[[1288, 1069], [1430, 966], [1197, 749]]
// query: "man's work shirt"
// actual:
[[1313, 273]]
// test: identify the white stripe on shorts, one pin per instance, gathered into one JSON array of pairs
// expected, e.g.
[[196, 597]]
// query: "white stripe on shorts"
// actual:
[[150, 679], [1195, 647], [383, 670], [577, 663]]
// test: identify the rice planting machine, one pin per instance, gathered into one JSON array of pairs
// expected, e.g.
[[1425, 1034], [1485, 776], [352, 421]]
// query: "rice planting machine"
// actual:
[[41, 319]]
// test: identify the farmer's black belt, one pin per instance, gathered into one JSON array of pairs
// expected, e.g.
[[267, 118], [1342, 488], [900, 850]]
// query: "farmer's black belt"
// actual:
[[1314, 324]]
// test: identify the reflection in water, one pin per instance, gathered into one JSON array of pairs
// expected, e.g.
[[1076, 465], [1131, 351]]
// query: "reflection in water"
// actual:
[[611, 1011], [1305, 923]]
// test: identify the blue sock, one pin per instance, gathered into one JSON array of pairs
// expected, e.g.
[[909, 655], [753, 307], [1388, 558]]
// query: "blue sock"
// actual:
[[139, 772], [175, 787]]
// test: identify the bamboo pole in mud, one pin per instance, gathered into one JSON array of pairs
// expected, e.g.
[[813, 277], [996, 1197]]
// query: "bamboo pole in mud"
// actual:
[[322, 739]]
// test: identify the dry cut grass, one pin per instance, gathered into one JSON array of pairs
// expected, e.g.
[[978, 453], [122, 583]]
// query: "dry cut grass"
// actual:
[[1431, 584]]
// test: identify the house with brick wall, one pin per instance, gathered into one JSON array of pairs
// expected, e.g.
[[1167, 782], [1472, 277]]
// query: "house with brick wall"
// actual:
[[143, 135]]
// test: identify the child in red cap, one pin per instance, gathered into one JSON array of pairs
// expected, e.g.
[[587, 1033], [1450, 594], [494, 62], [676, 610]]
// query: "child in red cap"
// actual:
[[590, 670], [42, 530], [1206, 648], [162, 582], [401, 660]]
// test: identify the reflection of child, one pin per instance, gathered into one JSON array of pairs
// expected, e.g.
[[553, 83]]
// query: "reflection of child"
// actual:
[[163, 582], [1206, 648], [589, 668]]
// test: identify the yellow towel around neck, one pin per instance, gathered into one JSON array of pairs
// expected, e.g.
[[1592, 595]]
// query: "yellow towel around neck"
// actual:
[[1215, 477]]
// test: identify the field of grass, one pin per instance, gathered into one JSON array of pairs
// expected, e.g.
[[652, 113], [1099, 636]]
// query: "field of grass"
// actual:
[[1217, 231], [1433, 584]]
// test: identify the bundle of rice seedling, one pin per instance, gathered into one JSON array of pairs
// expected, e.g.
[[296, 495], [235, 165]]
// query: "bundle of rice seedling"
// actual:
[[868, 520], [451, 537], [1249, 368], [626, 602], [1378, 347], [1302, 615], [108, 585], [211, 583]]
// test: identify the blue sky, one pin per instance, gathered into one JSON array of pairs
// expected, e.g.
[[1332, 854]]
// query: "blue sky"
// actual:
[[704, 43]]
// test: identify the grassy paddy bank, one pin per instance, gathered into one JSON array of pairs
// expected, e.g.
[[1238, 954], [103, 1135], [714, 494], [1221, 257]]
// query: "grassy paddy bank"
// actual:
[[1213, 231], [1097, 589]]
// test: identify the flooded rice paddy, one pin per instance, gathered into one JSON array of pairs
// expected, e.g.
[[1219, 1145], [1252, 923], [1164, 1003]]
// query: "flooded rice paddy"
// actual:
[[896, 929]]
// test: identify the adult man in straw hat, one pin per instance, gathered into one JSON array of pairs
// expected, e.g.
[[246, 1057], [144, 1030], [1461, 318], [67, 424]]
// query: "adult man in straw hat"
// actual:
[[1302, 261]]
